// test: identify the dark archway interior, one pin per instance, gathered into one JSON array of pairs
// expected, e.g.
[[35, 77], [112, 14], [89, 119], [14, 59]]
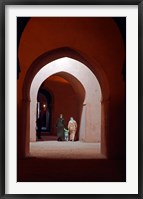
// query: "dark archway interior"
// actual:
[[44, 112]]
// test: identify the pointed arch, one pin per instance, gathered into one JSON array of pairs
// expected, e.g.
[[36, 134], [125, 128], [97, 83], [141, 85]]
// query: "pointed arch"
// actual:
[[47, 58], [82, 79]]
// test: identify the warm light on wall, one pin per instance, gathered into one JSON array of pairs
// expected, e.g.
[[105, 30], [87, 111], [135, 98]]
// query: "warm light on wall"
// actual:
[[44, 107]]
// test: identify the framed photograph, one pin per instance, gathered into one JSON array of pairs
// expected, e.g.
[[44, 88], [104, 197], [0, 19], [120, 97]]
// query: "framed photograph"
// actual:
[[70, 124]]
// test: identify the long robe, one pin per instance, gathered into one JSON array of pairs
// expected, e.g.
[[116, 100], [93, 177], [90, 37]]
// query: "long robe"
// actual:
[[72, 126], [60, 128]]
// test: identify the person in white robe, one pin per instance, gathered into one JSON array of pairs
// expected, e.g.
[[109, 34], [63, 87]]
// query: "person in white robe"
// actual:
[[72, 127]]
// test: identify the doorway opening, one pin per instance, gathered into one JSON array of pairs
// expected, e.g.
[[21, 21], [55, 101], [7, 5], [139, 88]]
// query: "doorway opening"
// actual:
[[68, 96], [88, 101], [43, 109]]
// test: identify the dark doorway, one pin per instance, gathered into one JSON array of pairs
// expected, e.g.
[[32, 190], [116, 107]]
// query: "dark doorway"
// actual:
[[44, 110]]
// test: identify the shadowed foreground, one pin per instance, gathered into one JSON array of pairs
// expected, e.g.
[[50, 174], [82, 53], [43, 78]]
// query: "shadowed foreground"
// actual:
[[69, 162]]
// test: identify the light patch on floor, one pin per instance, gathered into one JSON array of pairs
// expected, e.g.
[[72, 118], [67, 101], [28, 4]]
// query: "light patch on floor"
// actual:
[[65, 150]]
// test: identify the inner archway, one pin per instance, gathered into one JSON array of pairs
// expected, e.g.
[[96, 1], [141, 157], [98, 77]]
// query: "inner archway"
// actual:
[[70, 69], [44, 101]]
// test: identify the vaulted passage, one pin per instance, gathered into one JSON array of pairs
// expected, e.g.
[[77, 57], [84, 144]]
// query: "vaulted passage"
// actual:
[[65, 98], [72, 97], [73, 66]]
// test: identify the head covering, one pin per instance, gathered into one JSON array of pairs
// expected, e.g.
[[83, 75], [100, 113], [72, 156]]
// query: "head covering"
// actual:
[[72, 119]]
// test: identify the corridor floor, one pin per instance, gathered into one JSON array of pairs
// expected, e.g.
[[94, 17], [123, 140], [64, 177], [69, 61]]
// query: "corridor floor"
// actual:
[[65, 150], [53, 161]]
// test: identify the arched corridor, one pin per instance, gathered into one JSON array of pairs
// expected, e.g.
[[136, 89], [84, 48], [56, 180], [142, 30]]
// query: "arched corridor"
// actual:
[[84, 80], [88, 103], [65, 99]]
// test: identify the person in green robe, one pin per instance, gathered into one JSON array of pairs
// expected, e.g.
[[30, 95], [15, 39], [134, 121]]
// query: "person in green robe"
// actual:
[[60, 128]]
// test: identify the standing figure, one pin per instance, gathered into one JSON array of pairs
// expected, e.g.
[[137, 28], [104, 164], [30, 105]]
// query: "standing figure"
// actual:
[[60, 128], [38, 123], [72, 126]]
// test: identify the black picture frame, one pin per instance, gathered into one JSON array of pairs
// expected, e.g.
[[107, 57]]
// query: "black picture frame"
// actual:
[[3, 3]]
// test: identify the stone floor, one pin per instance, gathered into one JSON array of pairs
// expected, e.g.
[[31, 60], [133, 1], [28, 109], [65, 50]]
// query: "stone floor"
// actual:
[[65, 150], [53, 161]]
